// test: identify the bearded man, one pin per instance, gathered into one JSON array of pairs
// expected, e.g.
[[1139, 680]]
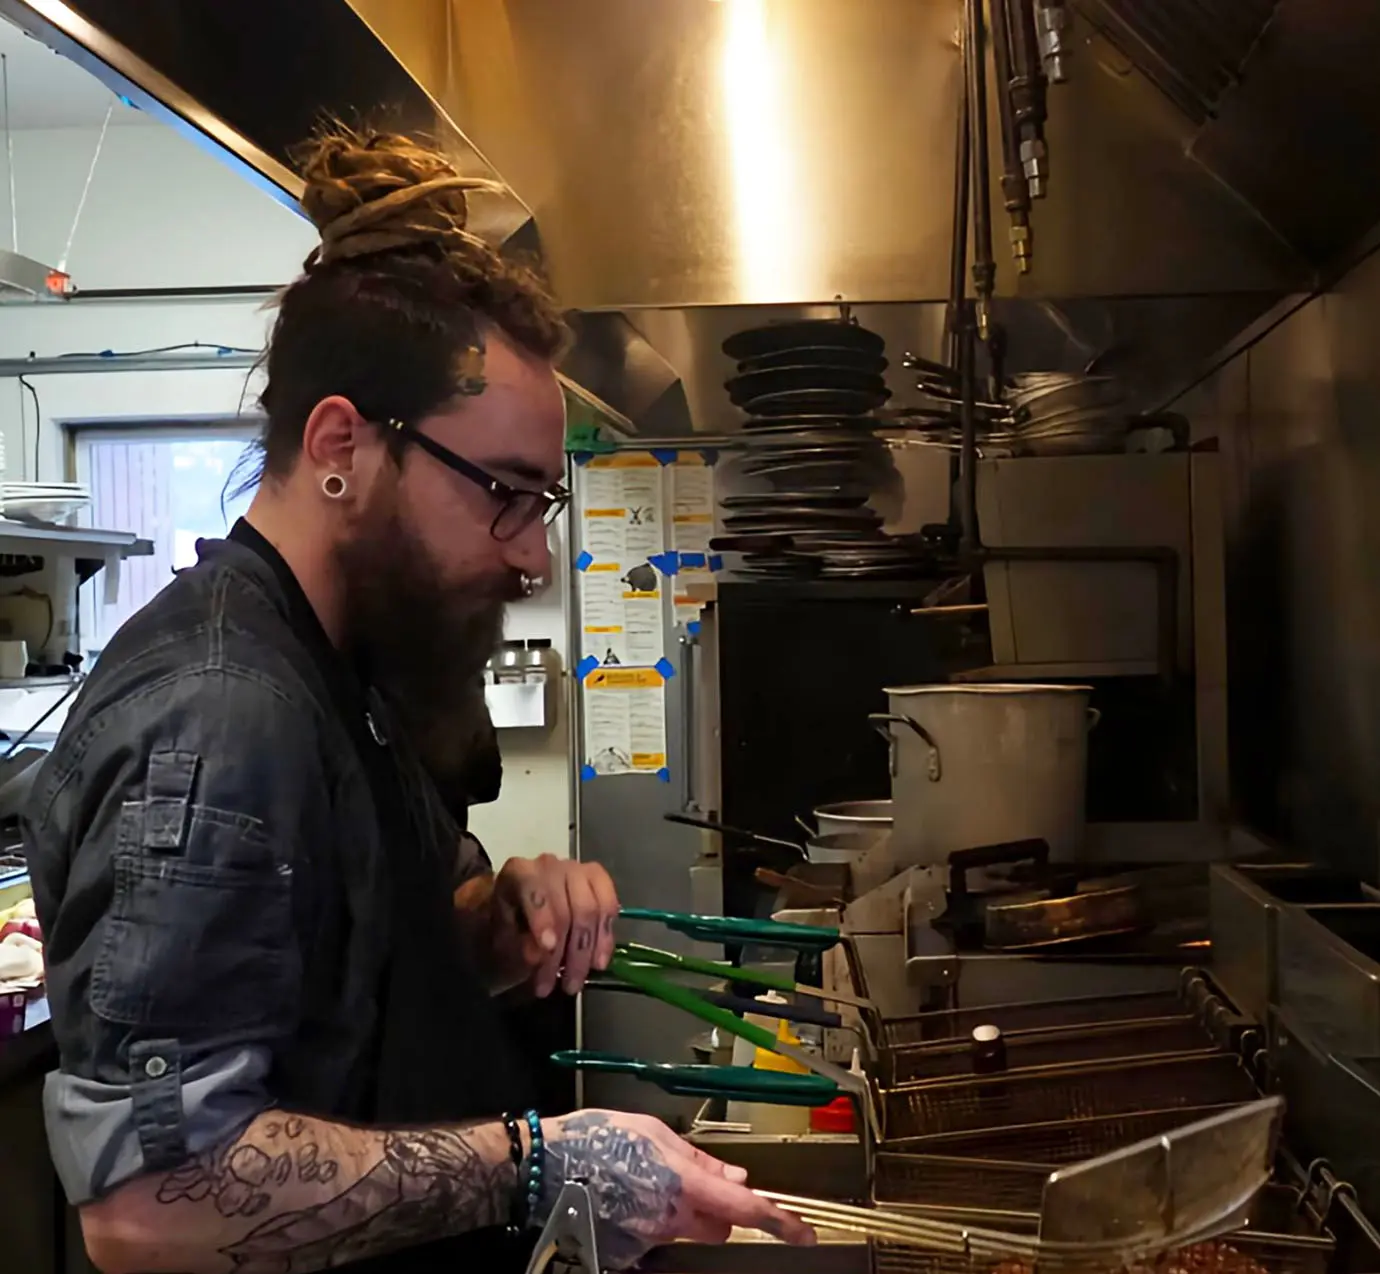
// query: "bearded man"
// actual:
[[272, 959]]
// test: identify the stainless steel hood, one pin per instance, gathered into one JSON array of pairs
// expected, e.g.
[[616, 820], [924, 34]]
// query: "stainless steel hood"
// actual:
[[681, 154], [694, 152]]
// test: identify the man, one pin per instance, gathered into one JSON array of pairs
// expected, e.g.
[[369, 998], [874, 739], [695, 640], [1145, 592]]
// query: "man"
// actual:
[[271, 972]]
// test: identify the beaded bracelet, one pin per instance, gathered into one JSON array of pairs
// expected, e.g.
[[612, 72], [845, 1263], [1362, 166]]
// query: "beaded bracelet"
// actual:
[[536, 1167], [512, 1125]]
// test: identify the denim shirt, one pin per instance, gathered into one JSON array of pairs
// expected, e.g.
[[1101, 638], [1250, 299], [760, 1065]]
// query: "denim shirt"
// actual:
[[209, 870]]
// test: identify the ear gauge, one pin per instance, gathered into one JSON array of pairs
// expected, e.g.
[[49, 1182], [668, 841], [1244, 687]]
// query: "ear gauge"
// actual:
[[333, 486], [470, 372]]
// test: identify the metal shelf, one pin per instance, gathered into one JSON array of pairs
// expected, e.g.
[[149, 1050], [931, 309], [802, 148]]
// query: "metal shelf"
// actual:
[[38, 539]]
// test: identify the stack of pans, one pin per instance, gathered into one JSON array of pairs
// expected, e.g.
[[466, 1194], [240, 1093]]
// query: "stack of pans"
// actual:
[[1057, 413], [1036, 414], [809, 461], [816, 367]]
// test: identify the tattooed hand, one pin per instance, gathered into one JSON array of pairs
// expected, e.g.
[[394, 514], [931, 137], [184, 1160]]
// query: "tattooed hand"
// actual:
[[540, 916], [649, 1186]]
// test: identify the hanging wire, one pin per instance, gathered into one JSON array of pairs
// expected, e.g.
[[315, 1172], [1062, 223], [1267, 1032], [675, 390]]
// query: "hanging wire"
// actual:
[[86, 189], [9, 151]]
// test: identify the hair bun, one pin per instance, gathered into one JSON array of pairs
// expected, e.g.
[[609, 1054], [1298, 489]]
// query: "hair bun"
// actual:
[[370, 192]]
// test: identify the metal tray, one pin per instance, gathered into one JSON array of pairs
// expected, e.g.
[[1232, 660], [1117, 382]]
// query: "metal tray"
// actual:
[[1275, 1254], [1153, 1037], [1090, 1092], [1329, 974], [1244, 902]]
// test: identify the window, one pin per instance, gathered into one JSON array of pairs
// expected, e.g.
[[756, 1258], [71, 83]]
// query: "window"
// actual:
[[169, 483]]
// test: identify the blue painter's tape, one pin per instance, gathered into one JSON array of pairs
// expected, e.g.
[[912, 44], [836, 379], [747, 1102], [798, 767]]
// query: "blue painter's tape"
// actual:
[[693, 628], [664, 774], [582, 458], [586, 666], [716, 562], [692, 561], [666, 563], [665, 667], [587, 772], [664, 457], [584, 561], [711, 455]]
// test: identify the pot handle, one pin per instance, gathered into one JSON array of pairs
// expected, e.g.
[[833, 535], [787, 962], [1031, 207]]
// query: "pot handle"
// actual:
[[882, 721], [1094, 716]]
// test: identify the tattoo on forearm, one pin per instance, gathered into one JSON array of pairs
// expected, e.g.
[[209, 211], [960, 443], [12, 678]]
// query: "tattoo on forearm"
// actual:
[[636, 1194], [430, 1183]]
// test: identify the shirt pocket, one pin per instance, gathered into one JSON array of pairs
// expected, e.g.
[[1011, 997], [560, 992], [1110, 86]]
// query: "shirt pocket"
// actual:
[[201, 943]]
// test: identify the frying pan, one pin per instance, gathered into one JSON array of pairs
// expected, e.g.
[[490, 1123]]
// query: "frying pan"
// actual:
[[1058, 914], [737, 833], [813, 355], [802, 427], [844, 402], [751, 386], [802, 333]]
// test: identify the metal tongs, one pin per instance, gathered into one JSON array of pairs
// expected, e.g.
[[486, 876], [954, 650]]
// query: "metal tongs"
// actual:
[[1167, 1192], [645, 969]]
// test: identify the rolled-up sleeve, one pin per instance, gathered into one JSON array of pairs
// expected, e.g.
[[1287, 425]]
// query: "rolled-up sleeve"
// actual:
[[171, 855], [93, 1127]]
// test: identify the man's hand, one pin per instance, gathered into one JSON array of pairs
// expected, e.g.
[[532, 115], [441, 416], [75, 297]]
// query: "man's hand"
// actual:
[[543, 920], [649, 1187]]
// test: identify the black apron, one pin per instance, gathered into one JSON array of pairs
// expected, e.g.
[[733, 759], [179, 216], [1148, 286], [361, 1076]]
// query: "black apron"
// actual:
[[444, 1055], [442, 1052]]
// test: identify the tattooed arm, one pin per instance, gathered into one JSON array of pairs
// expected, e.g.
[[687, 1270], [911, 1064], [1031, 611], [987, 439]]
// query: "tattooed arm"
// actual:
[[293, 1195], [540, 921]]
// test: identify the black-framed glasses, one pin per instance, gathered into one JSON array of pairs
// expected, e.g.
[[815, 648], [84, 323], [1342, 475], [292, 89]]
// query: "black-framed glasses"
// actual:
[[518, 507]]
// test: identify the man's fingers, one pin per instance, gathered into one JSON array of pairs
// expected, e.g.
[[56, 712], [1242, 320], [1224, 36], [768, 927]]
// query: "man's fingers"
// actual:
[[698, 1228], [523, 889], [729, 1171], [580, 941], [606, 898], [549, 889], [712, 1195]]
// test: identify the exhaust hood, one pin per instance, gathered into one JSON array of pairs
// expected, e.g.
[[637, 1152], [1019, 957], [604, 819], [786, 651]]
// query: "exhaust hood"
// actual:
[[684, 158]]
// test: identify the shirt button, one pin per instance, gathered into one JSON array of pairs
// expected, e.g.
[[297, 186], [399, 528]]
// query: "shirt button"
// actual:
[[155, 1068]]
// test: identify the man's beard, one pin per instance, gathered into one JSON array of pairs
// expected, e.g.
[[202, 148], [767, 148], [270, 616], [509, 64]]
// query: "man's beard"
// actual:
[[423, 645]]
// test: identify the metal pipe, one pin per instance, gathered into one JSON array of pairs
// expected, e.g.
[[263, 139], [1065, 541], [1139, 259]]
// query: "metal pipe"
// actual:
[[1028, 96], [1052, 29], [984, 267], [969, 544], [92, 363], [958, 260], [1015, 190]]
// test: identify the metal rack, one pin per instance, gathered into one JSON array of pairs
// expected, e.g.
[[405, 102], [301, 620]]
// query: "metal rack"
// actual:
[[1053, 1143], [1035, 1050], [1041, 1015], [1056, 1095]]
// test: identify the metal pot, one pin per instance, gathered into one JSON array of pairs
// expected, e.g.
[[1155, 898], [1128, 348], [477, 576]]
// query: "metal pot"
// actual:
[[854, 816], [842, 847], [987, 764]]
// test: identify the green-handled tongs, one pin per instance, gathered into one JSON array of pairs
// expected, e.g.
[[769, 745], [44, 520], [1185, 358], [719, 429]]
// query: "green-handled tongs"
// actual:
[[762, 933], [765, 933], [736, 1083]]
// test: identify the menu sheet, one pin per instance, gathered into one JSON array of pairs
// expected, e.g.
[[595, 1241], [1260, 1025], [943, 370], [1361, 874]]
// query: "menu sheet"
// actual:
[[622, 529]]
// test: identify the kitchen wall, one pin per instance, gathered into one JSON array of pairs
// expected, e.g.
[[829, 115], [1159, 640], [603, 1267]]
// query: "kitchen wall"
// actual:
[[162, 213], [1298, 419]]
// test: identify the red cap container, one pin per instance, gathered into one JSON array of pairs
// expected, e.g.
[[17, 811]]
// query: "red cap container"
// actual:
[[837, 1116]]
